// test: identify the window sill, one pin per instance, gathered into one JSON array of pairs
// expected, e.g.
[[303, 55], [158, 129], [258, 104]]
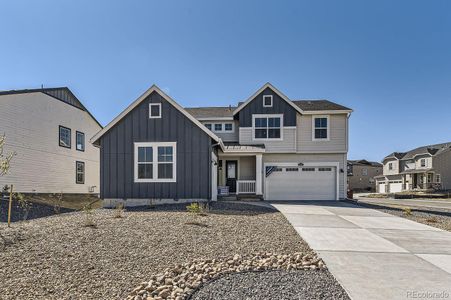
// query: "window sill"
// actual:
[[154, 180]]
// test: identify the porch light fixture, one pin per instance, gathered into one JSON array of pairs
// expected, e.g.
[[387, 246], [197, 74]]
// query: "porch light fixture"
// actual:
[[300, 164]]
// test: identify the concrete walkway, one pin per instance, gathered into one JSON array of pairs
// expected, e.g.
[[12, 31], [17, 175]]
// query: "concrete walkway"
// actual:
[[372, 254]]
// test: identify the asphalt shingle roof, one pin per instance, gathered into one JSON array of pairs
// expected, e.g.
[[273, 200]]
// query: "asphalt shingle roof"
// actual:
[[428, 149], [312, 105], [207, 112]]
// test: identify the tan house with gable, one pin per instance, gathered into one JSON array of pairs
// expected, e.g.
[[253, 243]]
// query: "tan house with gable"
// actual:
[[426, 167]]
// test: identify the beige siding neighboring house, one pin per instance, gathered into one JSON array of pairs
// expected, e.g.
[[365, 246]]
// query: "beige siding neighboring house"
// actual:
[[49, 130], [423, 168], [361, 174]]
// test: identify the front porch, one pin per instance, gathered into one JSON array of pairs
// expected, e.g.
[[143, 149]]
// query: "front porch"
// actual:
[[421, 180], [239, 170]]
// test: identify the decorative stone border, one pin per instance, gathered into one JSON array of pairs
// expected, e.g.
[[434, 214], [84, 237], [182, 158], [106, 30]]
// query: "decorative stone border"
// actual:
[[180, 282]]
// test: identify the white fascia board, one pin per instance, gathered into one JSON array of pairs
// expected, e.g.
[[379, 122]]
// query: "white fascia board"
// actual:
[[141, 98]]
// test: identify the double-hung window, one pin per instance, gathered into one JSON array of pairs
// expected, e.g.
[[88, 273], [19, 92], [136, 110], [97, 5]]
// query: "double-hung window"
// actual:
[[321, 128], [423, 162], [79, 172], [155, 162], [267, 127], [64, 137], [80, 141]]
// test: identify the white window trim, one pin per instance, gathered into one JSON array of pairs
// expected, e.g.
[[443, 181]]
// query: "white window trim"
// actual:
[[223, 127], [155, 146], [254, 116], [214, 127], [421, 163], [267, 96], [313, 127], [438, 178], [150, 110]]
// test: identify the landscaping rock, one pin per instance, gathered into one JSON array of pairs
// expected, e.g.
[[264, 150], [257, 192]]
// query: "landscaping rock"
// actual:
[[201, 271]]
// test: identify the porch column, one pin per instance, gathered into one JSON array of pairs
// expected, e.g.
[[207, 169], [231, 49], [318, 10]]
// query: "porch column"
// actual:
[[258, 174]]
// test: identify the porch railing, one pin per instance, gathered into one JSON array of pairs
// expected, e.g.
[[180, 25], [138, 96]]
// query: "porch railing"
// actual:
[[245, 187]]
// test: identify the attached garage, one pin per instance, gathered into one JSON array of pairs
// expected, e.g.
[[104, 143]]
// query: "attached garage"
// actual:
[[301, 183], [395, 186]]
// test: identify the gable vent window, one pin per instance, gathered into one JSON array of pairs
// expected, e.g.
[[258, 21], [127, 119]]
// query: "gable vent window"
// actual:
[[155, 111], [321, 128], [155, 162], [64, 137], [267, 101]]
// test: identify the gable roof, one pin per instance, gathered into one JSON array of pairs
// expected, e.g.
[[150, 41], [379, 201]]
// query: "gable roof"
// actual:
[[428, 149], [275, 90], [63, 94], [301, 106], [141, 98]]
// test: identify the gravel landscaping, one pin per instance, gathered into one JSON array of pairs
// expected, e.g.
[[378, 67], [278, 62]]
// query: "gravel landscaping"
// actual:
[[59, 257], [435, 217], [275, 284]]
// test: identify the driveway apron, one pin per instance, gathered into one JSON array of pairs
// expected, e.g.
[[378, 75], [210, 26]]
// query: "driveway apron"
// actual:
[[374, 255]]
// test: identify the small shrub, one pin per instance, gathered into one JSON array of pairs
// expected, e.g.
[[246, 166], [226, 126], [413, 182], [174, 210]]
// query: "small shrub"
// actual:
[[24, 204], [57, 201], [89, 216], [118, 210], [407, 211], [194, 208]]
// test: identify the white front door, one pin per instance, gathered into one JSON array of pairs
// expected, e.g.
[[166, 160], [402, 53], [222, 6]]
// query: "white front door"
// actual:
[[301, 183]]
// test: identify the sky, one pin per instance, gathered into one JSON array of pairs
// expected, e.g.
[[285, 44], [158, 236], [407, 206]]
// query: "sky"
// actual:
[[390, 61]]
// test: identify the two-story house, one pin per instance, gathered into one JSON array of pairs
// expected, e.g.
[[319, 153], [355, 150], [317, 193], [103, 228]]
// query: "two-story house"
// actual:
[[426, 167], [361, 175], [49, 129], [268, 146]]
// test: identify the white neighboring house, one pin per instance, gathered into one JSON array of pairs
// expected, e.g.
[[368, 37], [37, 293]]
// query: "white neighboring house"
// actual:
[[49, 130], [426, 167]]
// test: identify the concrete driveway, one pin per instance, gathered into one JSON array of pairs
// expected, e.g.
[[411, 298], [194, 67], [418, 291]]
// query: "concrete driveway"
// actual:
[[420, 203], [372, 254]]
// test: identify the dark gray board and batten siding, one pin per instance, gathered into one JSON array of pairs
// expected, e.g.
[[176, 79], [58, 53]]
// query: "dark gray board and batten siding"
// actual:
[[193, 155], [279, 106]]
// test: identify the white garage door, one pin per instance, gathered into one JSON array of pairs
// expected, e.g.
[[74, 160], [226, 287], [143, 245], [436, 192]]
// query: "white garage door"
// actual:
[[382, 188], [395, 186], [301, 183]]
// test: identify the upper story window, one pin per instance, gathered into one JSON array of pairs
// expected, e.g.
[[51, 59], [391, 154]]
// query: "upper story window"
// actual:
[[321, 128], [154, 110], [79, 172], [267, 100], [220, 127], [423, 162], [267, 127], [64, 137], [365, 172], [390, 166], [155, 162], [80, 141]]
